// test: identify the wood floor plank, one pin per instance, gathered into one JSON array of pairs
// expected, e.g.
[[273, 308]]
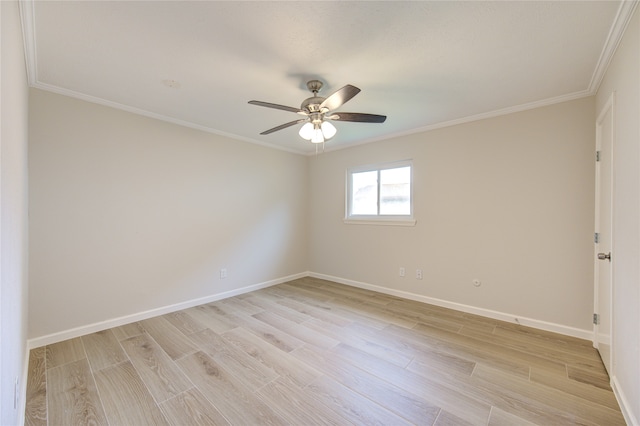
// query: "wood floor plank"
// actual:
[[408, 318], [282, 363], [385, 352], [395, 399], [375, 310], [447, 365], [487, 349], [125, 397], [242, 306], [103, 349], [447, 419], [315, 312], [462, 350], [298, 291], [64, 352], [545, 405], [244, 367], [452, 400], [278, 338], [128, 330], [486, 328], [206, 315], [347, 292], [415, 350], [586, 391], [296, 330], [535, 334], [72, 397], [269, 304], [589, 376], [342, 306], [576, 348], [162, 377], [355, 407], [506, 394], [219, 309], [184, 322], [500, 417], [235, 402], [424, 313], [543, 349], [297, 407], [174, 343], [36, 397], [191, 408]]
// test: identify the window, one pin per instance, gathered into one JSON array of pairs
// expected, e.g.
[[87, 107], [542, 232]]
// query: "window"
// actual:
[[380, 194]]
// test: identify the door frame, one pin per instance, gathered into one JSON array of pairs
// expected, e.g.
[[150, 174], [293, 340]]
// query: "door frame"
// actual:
[[608, 106]]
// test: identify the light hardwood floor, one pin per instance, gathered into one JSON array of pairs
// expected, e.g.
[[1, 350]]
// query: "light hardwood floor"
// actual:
[[315, 352]]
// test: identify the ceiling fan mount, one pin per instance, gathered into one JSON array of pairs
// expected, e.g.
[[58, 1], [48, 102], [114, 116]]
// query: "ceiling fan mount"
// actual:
[[314, 86], [318, 112], [312, 104]]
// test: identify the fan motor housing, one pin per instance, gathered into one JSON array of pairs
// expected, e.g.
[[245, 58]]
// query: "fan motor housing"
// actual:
[[312, 104]]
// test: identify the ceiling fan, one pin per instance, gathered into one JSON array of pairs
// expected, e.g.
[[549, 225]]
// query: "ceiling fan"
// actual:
[[318, 111]]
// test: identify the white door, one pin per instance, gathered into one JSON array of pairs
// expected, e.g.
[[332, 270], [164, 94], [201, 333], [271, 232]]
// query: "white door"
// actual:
[[603, 257]]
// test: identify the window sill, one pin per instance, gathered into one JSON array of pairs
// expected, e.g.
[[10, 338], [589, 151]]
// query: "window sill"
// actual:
[[383, 222]]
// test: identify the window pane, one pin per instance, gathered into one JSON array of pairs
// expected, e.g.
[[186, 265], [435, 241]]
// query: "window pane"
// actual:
[[364, 193], [395, 191]]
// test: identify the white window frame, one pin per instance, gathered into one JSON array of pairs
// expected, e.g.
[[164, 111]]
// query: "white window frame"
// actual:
[[377, 219]]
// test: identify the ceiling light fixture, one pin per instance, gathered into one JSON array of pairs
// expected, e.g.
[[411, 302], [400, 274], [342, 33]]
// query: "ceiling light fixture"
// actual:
[[317, 132], [318, 110]]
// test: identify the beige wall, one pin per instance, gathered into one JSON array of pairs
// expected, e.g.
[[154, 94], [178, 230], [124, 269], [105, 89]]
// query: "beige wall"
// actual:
[[130, 214], [13, 224], [507, 200], [623, 78]]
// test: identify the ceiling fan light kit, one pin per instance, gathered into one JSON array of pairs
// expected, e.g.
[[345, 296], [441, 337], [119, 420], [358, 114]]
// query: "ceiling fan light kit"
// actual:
[[316, 132], [316, 127]]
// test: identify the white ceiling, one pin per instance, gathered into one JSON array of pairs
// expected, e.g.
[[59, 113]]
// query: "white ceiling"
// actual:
[[423, 64]]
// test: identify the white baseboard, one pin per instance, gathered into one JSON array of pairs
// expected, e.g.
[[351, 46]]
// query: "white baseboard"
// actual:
[[625, 407], [127, 319], [515, 319]]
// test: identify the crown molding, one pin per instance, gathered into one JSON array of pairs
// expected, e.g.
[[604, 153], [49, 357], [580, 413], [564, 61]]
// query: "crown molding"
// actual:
[[623, 17], [156, 116], [27, 16], [477, 117]]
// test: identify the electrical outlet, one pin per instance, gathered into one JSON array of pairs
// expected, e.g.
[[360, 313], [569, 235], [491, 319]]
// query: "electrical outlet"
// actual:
[[223, 273], [401, 273], [418, 274]]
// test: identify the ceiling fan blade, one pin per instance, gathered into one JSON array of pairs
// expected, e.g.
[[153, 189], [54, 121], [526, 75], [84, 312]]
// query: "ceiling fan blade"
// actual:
[[358, 117], [339, 97], [284, 126], [276, 106]]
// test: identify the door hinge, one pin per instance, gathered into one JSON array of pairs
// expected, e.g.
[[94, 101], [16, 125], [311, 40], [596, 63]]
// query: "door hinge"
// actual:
[[596, 237], [596, 319], [597, 155]]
